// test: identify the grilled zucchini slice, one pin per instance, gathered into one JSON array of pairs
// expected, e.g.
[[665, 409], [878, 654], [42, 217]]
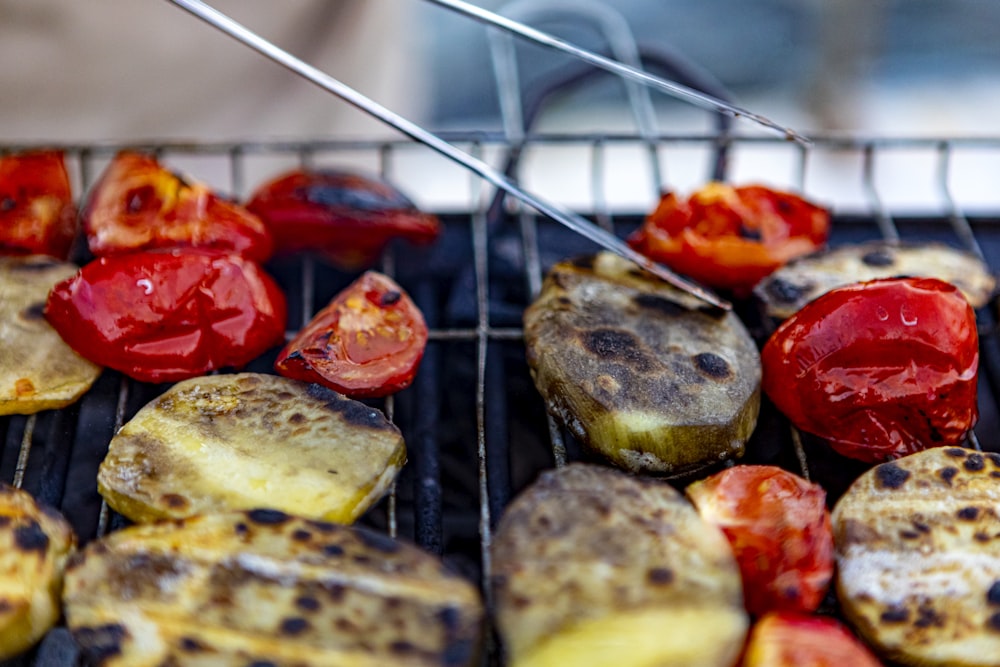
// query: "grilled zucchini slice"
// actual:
[[261, 587], [918, 557], [35, 543], [251, 440], [789, 288], [593, 567], [639, 371], [38, 371]]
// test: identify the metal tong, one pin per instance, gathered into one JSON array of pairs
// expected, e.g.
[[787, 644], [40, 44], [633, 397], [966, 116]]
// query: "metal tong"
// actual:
[[558, 213]]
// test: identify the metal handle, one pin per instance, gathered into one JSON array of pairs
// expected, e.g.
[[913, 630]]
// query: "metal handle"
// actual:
[[571, 220]]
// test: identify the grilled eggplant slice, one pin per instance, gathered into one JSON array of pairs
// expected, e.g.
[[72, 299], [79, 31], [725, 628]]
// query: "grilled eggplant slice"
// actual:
[[593, 567], [264, 588], [789, 288], [918, 556], [250, 440], [639, 371], [38, 371], [35, 543]]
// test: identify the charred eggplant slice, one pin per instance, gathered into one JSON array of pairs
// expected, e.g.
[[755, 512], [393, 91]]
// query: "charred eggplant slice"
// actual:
[[639, 371], [594, 567], [262, 587]]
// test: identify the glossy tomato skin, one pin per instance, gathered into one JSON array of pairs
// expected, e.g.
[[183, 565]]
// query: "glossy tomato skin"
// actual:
[[731, 237], [347, 217], [367, 342], [140, 205], [37, 215], [168, 315], [798, 640], [779, 528], [879, 369]]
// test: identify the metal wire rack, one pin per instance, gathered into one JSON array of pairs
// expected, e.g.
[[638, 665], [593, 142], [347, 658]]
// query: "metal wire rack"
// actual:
[[476, 430]]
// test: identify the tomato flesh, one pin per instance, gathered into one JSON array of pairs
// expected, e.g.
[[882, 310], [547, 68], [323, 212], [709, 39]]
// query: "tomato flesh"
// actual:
[[879, 369], [37, 215], [367, 342], [798, 640], [139, 205], [731, 237], [347, 217], [779, 528], [164, 316]]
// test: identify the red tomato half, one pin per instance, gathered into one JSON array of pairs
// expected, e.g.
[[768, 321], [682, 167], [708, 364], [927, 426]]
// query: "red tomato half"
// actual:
[[879, 369], [164, 316], [779, 528], [731, 237], [139, 205], [347, 217], [368, 342], [37, 216], [797, 640]]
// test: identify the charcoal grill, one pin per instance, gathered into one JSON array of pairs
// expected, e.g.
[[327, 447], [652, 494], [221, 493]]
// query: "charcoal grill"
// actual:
[[476, 429]]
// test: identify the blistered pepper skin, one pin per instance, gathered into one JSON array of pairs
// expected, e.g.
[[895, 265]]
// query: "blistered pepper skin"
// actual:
[[164, 316], [879, 369]]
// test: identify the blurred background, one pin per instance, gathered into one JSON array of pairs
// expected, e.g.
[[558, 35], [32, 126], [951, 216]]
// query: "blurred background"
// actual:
[[114, 69]]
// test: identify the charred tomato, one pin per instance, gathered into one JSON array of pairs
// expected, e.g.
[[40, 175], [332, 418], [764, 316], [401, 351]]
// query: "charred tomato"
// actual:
[[367, 342], [347, 217], [168, 315], [879, 369], [731, 237], [37, 215], [799, 640], [140, 205], [779, 528]]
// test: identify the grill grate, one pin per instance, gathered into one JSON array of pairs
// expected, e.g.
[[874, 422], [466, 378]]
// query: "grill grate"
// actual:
[[477, 431]]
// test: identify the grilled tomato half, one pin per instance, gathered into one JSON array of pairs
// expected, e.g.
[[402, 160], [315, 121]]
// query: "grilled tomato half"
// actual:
[[878, 369], [347, 217], [37, 216], [731, 237], [779, 528], [168, 315], [140, 205], [368, 342]]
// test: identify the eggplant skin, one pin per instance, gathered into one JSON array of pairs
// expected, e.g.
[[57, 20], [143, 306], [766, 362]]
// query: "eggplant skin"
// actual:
[[35, 544], [917, 544], [640, 372], [595, 567], [264, 587]]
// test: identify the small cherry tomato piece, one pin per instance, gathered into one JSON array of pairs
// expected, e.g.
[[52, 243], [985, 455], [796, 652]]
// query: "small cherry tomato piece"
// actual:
[[879, 369], [37, 215], [349, 218], [731, 237], [798, 640], [779, 528], [168, 315], [139, 205], [368, 342]]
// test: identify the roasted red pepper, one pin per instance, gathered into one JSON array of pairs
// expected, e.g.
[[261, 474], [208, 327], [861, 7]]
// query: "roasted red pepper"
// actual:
[[731, 237], [139, 205], [347, 217], [798, 640], [368, 342], [879, 369], [37, 215], [779, 528], [163, 316]]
